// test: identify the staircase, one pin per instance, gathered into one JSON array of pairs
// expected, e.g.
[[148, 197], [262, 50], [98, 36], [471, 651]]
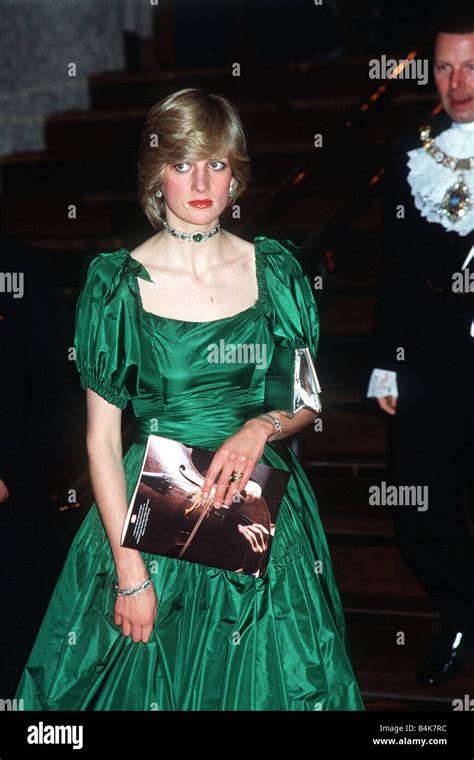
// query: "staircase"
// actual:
[[90, 162]]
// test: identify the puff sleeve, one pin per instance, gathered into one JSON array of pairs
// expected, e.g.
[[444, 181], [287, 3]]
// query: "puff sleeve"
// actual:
[[291, 380], [104, 336]]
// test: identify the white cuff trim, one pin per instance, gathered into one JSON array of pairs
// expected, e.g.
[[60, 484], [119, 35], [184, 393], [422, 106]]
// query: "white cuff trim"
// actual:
[[383, 382]]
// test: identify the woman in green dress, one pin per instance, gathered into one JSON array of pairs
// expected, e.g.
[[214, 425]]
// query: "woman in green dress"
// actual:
[[187, 636]]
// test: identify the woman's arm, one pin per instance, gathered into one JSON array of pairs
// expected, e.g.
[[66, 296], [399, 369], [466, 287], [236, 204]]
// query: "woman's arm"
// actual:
[[290, 425], [104, 446]]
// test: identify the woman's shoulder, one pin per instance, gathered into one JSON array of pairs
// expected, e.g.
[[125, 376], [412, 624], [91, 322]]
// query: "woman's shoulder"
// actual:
[[270, 249], [280, 257], [106, 274], [102, 267], [105, 262]]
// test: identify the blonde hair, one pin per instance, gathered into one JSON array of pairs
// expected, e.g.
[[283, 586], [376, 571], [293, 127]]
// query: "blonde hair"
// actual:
[[189, 125]]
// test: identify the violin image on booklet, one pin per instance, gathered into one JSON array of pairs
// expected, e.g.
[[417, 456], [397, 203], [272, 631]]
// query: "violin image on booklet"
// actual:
[[168, 516]]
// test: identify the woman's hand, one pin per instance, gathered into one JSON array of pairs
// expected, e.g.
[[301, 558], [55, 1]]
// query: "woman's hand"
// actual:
[[136, 613], [239, 452]]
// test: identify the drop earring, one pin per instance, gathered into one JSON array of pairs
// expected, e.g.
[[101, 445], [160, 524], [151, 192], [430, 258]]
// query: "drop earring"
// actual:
[[231, 192]]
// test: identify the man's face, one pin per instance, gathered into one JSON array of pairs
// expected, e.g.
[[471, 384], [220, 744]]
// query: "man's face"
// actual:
[[454, 74]]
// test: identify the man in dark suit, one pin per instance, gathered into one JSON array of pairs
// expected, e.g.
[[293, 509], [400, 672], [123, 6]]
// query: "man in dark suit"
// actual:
[[34, 383], [424, 341]]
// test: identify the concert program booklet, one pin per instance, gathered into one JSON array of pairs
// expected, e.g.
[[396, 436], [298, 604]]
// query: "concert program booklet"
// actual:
[[167, 515]]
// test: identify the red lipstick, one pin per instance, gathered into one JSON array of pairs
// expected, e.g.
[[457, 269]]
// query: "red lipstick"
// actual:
[[204, 203]]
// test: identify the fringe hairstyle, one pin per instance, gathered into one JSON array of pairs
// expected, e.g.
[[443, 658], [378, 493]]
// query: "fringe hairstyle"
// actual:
[[189, 125]]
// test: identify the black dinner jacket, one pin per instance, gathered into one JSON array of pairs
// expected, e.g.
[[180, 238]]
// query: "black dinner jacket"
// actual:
[[417, 309], [33, 370]]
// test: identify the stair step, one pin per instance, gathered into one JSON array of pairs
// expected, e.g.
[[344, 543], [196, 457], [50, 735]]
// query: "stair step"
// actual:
[[386, 669], [36, 216], [395, 603], [349, 315], [347, 437], [117, 132], [344, 76], [378, 570], [342, 373]]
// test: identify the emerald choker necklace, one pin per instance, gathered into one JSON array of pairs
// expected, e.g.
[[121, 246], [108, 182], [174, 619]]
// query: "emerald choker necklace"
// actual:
[[196, 237]]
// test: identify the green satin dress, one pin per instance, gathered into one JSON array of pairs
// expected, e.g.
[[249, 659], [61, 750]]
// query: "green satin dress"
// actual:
[[221, 640]]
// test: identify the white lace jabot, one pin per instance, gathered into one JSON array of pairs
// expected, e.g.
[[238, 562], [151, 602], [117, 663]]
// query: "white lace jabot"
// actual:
[[429, 180]]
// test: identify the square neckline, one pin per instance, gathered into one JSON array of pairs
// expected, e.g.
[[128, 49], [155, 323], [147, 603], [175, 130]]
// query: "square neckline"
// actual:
[[152, 315]]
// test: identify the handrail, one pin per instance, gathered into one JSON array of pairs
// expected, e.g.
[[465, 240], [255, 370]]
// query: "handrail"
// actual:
[[358, 118], [331, 229]]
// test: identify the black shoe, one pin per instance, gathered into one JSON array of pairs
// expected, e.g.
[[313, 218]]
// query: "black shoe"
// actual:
[[446, 657]]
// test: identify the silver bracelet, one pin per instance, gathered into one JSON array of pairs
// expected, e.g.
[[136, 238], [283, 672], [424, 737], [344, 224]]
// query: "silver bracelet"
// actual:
[[132, 591], [276, 424]]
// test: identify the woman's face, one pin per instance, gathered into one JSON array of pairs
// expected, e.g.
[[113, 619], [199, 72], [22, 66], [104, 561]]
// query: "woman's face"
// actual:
[[196, 192]]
